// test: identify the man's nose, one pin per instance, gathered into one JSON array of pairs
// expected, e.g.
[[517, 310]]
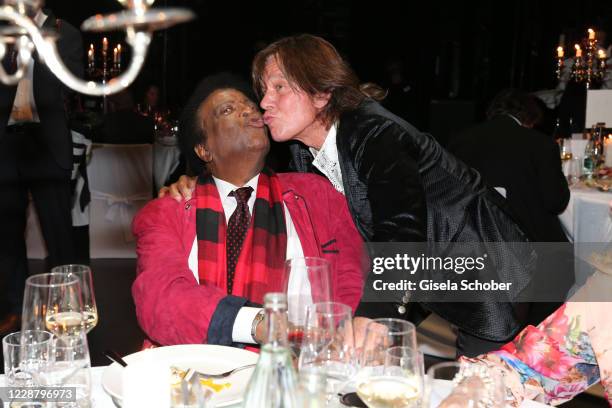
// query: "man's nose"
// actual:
[[249, 110], [267, 101]]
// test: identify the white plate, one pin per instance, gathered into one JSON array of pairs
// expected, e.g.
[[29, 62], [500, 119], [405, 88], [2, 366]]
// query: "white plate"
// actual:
[[201, 357]]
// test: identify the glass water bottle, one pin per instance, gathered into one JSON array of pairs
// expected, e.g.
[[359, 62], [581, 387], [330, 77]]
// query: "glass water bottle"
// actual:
[[274, 381]]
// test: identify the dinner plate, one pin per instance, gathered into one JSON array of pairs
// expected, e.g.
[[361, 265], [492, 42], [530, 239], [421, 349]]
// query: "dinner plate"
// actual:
[[201, 357]]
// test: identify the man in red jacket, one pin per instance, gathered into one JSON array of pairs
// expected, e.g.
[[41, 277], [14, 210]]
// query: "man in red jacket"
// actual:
[[204, 263]]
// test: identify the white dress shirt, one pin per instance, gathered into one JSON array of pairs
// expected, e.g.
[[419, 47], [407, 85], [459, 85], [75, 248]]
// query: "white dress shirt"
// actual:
[[298, 285], [24, 106], [326, 159]]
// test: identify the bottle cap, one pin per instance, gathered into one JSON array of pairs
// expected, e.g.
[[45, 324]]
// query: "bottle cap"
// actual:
[[275, 301]]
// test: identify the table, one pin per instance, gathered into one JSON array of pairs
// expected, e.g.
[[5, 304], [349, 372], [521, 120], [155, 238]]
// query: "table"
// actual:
[[587, 217], [101, 400]]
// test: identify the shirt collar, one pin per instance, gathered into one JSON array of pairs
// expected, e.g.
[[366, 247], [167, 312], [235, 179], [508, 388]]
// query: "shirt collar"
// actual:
[[40, 18], [329, 147], [225, 188], [515, 119]]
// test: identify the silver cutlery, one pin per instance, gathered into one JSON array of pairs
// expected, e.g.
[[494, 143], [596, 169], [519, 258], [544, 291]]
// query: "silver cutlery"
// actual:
[[187, 374]]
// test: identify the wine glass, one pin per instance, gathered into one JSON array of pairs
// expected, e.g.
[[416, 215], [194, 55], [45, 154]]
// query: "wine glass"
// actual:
[[455, 383], [306, 281], [52, 301], [382, 334], [90, 310], [328, 346], [565, 149], [400, 384]]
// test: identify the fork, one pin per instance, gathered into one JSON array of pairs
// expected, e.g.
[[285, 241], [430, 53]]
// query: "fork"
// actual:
[[190, 372]]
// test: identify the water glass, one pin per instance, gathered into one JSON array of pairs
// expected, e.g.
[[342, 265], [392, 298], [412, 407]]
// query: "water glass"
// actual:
[[306, 281], [90, 310], [71, 368], [575, 171], [52, 301], [25, 356], [328, 347]]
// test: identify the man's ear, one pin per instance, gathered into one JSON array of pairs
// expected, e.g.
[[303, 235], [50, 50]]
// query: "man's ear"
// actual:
[[204, 154], [320, 100]]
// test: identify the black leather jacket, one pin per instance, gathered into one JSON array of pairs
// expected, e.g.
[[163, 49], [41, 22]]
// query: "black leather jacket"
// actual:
[[402, 186]]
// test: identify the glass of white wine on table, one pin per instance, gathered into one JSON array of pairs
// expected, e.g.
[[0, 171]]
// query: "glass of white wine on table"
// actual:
[[398, 384], [90, 310], [53, 302]]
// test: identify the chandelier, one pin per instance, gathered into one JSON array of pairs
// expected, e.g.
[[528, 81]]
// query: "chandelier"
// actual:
[[138, 20]]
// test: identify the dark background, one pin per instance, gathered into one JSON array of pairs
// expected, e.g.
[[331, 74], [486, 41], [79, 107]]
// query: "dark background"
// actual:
[[453, 57]]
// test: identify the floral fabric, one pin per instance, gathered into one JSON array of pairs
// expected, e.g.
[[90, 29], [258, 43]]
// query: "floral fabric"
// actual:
[[562, 357]]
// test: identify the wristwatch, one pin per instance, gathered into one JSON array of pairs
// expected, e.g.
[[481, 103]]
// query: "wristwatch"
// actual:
[[258, 318]]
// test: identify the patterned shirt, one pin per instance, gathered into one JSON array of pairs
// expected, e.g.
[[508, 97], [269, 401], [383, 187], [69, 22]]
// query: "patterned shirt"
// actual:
[[326, 159]]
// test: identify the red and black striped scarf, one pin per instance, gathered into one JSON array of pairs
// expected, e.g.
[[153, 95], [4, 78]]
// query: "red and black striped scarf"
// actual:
[[261, 263]]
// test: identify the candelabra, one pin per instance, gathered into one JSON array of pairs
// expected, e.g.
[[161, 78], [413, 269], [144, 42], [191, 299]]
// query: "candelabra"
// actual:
[[138, 21], [588, 70]]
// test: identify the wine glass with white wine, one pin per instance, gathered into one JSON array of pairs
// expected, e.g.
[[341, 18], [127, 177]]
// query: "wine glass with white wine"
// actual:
[[399, 385], [52, 301], [83, 273]]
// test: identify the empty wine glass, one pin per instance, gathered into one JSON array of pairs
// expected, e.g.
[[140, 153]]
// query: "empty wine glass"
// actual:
[[400, 384], [306, 281], [52, 301], [90, 310], [382, 334], [328, 347]]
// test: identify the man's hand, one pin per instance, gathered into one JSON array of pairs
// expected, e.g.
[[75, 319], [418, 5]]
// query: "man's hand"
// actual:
[[180, 190]]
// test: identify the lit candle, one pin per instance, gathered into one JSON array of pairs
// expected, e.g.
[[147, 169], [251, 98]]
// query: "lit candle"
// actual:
[[560, 52], [115, 55], [119, 54], [608, 151], [105, 45], [578, 50], [601, 54], [591, 34], [90, 57]]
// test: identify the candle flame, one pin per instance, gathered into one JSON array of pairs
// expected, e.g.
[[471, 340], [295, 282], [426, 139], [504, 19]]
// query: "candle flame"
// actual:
[[577, 46], [119, 47], [601, 54], [591, 34]]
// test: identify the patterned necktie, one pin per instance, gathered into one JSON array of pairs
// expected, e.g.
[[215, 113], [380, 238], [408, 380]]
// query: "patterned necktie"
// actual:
[[236, 231]]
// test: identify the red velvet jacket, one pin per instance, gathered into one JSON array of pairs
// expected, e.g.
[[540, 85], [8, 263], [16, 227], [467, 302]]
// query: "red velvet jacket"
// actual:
[[172, 308]]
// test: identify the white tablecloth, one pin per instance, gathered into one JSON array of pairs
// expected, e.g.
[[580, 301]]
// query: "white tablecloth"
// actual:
[[587, 217], [101, 400]]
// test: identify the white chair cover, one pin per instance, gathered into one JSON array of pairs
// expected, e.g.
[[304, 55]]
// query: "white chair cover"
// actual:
[[121, 181]]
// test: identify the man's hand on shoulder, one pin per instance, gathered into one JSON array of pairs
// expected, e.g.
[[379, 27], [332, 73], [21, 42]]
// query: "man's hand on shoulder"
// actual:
[[182, 189]]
